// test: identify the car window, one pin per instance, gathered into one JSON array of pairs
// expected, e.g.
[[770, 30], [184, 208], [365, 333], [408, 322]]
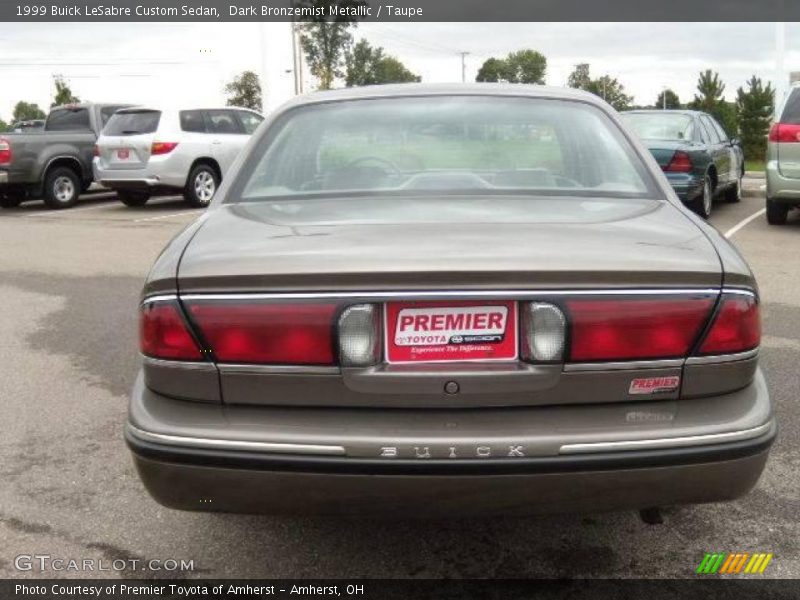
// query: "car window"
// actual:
[[106, 113], [68, 119], [791, 110], [660, 126], [721, 135], [133, 122], [192, 121], [445, 144], [223, 121], [713, 134], [250, 121]]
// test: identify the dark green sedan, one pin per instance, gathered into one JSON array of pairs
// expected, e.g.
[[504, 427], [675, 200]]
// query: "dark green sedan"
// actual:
[[695, 153]]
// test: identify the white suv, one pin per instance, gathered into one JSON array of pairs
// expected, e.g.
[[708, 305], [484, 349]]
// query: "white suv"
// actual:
[[143, 151]]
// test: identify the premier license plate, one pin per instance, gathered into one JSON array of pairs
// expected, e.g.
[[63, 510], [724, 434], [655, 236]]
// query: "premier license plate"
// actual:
[[419, 332], [123, 154]]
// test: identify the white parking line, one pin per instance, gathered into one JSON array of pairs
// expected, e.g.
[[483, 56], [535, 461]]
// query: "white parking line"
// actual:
[[47, 212], [732, 231], [158, 218]]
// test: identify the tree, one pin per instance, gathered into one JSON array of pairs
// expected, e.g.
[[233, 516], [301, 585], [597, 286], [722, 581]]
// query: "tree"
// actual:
[[27, 111], [710, 99], [245, 91], [64, 94], [580, 78], [668, 100], [3, 125], [523, 66], [367, 65], [326, 43], [754, 107]]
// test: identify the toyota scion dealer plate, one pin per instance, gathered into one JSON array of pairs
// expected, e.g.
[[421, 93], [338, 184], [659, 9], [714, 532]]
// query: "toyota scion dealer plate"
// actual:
[[450, 331]]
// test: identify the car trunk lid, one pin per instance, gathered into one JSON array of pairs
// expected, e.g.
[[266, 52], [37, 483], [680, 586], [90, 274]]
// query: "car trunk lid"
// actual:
[[127, 139]]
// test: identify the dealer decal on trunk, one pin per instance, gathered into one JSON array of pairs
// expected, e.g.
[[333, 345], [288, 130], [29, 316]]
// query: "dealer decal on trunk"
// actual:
[[654, 385], [450, 331]]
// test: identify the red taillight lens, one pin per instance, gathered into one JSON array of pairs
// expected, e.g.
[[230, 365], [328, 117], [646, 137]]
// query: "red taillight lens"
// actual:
[[5, 151], [163, 333], [632, 329], [680, 163], [736, 328], [162, 148], [784, 133], [284, 334]]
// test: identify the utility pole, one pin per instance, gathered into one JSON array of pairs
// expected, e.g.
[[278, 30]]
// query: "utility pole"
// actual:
[[463, 66], [780, 74], [297, 58]]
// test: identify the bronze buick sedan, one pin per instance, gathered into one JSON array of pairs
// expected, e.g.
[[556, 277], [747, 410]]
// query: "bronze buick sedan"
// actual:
[[442, 300]]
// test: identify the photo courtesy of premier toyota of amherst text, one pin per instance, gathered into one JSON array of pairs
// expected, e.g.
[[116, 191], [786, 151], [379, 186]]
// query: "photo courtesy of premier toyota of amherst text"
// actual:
[[392, 300]]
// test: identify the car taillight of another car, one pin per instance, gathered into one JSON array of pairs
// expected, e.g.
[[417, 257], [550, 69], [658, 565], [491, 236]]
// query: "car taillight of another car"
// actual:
[[784, 133], [679, 163], [5, 151], [157, 148]]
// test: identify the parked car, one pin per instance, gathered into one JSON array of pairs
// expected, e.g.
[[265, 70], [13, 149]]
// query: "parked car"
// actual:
[[27, 126], [370, 317], [55, 163], [783, 160], [695, 153], [143, 151]]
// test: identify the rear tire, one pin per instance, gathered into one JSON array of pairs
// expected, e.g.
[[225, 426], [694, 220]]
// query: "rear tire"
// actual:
[[734, 193], [703, 203], [133, 198], [201, 186], [777, 213], [62, 187]]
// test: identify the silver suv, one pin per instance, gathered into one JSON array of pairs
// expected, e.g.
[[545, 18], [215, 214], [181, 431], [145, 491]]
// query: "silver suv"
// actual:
[[783, 161], [143, 151]]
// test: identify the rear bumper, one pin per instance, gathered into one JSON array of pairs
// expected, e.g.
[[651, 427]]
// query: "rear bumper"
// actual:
[[780, 188], [156, 176], [3, 177], [686, 185], [222, 467]]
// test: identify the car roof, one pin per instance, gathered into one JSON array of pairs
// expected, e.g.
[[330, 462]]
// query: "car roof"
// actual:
[[182, 108], [445, 89], [674, 111]]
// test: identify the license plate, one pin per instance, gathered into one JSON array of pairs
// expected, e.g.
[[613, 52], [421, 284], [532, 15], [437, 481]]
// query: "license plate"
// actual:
[[418, 332], [123, 153]]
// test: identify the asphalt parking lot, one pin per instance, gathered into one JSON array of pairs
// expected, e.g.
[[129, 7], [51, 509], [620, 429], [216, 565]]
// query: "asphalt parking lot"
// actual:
[[69, 283]]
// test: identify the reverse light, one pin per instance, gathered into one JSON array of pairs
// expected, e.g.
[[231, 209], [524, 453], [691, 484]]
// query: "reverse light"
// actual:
[[680, 163], [163, 333], [736, 327], [634, 328], [5, 151], [543, 332], [267, 333], [359, 336], [784, 133], [158, 148]]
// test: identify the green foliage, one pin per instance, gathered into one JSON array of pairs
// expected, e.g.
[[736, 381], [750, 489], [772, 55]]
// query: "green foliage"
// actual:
[[607, 87], [754, 106], [27, 111], [3, 125], [64, 94], [579, 78], [368, 65], [710, 99], [245, 91], [523, 66], [668, 100], [326, 43]]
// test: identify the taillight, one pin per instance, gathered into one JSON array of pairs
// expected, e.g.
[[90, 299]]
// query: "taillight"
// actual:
[[635, 328], [543, 332], [162, 147], [267, 333], [163, 333], [5, 151], [736, 327], [680, 163], [784, 133]]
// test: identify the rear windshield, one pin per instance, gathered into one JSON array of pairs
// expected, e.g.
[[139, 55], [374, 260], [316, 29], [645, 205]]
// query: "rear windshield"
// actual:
[[133, 122], [444, 144], [658, 126], [68, 119], [791, 112]]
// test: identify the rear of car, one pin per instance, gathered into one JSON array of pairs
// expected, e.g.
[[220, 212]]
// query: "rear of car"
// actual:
[[783, 161], [448, 300], [143, 151]]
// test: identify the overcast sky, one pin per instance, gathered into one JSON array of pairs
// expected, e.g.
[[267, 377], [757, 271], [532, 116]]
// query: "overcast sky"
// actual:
[[188, 64]]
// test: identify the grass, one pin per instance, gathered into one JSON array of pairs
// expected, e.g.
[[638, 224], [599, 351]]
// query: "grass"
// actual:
[[754, 165]]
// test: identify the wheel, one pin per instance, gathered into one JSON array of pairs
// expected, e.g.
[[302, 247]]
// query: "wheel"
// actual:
[[776, 212], [61, 188], [734, 193], [133, 197], [702, 204], [201, 186]]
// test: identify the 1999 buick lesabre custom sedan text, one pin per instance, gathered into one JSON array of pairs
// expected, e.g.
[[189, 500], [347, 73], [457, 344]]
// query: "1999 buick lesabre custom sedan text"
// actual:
[[443, 300]]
